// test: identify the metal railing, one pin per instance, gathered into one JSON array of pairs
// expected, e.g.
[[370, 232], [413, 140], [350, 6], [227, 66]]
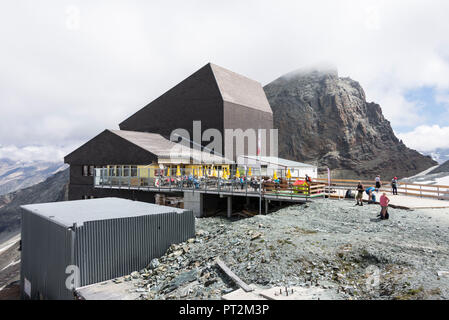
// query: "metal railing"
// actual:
[[241, 181]]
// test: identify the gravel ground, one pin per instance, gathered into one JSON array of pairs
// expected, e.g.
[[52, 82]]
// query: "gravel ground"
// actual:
[[331, 244]]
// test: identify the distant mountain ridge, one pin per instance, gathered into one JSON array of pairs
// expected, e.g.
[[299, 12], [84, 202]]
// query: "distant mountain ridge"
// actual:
[[326, 119], [440, 155], [15, 175], [444, 167], [54, 188]]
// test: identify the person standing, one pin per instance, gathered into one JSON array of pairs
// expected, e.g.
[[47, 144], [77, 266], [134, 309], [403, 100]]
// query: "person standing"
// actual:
[[359, 196], [308, 180], [394, 185], [384, 201], [378, 183]]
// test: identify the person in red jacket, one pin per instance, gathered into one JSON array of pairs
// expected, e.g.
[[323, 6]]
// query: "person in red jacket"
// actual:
[[384, 201]]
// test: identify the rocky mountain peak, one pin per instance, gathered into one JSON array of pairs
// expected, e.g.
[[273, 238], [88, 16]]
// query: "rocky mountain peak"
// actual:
[[326, 118]]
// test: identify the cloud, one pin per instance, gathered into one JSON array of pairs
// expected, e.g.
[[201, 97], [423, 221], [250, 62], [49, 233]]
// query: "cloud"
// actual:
[[73, 68], [427, 138], [35, 153]]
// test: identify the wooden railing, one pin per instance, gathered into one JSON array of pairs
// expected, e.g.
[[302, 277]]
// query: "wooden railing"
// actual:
[[440, 192], [287, 187]]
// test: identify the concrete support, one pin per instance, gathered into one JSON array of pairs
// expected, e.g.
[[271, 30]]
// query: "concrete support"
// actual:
[[229, 207], [194, 201], [266, 206]]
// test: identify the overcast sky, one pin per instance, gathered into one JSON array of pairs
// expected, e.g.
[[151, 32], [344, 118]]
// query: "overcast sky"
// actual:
[[70, 69]]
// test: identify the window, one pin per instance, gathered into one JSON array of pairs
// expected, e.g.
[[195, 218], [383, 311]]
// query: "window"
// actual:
[[85, 171], [111, 171], [133, 171], [91, 171], [125, 171]]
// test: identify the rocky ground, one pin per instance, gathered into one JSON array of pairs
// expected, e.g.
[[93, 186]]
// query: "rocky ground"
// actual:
[[330, 244]]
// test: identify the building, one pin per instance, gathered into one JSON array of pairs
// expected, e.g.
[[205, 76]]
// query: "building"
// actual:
[[89, 241], [219, 98], [269, 165], [130, 154], [143, 159]]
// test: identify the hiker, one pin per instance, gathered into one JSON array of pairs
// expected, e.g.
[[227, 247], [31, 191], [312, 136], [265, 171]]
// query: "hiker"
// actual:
[[371, 196], [394, 185], [384, 201], [378, 183], [359, 196]]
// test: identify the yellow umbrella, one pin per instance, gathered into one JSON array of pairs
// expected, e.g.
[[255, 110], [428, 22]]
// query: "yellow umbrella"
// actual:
[[249, 172], [194, 171], [289, 174], [237, 173], [168, 172], [215, 173], [275, 177], [178, 171], [200, 171]]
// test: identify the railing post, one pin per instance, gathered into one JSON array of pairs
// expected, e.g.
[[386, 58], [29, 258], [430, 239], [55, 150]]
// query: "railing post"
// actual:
[[129, 178], [260, 190], [169, 179], [160, 182], [246, 182], [206, 180], [219, 186]]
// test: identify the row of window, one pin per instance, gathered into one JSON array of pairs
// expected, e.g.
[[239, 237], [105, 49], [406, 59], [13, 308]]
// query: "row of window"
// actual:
[[88, 171]]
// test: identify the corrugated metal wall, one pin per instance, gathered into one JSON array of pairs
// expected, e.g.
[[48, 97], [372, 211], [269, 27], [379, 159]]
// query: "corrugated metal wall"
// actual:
[[103, 249], [46, 252], [108, 249]]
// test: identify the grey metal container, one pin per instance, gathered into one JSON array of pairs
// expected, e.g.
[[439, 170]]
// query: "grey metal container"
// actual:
[[102, 238]]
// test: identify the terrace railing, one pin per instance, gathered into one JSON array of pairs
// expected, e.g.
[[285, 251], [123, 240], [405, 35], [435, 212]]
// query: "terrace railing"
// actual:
[[214, 181], [440, 192]]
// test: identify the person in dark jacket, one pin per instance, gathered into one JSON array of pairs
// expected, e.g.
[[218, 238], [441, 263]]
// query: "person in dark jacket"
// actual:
[[394, 185], [359, 196]]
